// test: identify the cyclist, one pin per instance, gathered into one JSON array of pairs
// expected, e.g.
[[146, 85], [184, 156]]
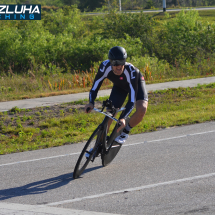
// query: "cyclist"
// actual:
[[127, 80]]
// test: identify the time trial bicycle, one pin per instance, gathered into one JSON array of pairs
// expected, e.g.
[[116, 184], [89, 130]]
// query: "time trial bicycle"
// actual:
[[99, 144]]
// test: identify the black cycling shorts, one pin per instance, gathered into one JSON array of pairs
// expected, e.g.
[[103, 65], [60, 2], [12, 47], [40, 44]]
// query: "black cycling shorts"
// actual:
[[118, 95]]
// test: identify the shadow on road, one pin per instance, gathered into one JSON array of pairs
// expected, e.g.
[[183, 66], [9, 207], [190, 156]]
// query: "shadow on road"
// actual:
[[89, 170], [42, 186]]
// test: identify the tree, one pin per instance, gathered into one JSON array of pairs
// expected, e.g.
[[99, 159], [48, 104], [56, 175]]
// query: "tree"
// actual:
[[149, 4], [90, 5], [211, 2], [70, 2]]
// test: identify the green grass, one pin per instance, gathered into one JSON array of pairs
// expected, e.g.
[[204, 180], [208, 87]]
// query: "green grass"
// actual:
[[207, 15], [175, 107], [38, 128]]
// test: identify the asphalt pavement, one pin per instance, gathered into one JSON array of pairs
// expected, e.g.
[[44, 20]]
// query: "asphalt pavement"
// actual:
[[176, 157], [165, 172], [54, 100]]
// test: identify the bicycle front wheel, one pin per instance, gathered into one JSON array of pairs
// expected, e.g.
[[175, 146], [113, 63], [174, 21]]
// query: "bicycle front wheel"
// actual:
[[88, 153]]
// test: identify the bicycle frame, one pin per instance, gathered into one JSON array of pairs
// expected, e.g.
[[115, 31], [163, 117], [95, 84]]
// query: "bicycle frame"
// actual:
[[104, 128]]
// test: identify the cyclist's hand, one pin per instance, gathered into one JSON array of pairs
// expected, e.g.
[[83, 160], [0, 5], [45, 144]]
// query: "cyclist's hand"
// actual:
[[89, 107], [122, 124]]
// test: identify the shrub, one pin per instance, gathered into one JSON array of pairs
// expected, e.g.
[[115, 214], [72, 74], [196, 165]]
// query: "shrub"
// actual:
[[136, 25], [184, 37]]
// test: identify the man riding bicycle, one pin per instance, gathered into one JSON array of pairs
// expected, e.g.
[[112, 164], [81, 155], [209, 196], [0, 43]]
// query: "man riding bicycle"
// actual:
[[127, 80]]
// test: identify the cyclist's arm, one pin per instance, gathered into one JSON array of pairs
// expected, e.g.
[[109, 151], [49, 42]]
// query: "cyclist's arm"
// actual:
[[100, 76]]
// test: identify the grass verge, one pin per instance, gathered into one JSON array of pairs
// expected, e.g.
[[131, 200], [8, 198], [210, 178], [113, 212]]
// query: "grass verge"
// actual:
[[19, 87], [31, 129]]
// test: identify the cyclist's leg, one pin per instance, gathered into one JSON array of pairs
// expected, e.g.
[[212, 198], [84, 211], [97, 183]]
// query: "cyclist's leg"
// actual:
[[117, 97], [137, 117], [141, 103], [141, 107]]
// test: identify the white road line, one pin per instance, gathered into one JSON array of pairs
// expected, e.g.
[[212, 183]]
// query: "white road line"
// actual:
[[132, 144], [132, 189], [20, 209], [46, 158], [170, 138]]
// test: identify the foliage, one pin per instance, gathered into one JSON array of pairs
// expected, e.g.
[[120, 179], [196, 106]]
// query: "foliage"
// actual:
[[59, 39], [66, 21], [90, 5], [65, 41], [149, 4], [184, 38], [136, 25], [25, 44]]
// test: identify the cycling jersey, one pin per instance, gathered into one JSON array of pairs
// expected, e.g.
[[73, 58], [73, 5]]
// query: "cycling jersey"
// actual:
[[127, 81]]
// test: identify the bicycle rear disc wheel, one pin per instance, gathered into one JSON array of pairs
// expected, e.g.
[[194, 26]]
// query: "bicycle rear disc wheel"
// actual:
[[86, 155]]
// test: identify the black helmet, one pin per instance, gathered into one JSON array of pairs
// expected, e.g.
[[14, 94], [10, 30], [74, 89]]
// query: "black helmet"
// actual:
[[117, 55]]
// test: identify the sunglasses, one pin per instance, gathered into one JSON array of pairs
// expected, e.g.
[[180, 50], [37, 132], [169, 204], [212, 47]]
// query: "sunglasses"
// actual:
[[117, 62]]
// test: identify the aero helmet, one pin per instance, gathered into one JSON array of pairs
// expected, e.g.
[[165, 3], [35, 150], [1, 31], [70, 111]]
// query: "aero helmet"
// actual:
[[117, 56]]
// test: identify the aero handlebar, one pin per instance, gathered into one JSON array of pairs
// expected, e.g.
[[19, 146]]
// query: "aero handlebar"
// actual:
[[108, 114]]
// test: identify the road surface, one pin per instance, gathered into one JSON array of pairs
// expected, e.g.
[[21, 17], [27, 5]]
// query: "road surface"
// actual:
[[171, 171]]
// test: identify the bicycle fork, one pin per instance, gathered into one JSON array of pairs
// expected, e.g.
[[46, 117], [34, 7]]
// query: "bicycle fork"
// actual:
[[100, 140]]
